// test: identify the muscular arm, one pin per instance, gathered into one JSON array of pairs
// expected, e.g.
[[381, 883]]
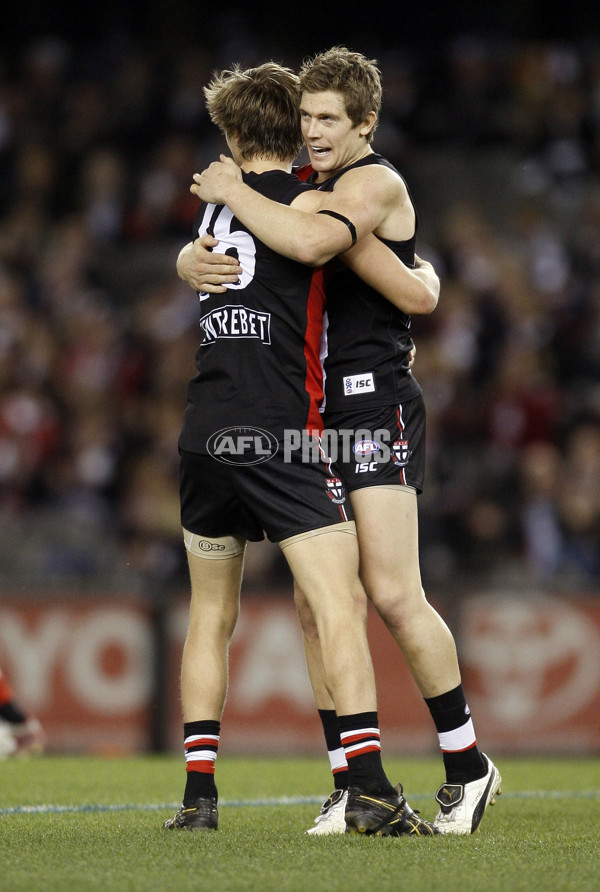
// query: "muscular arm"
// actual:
[[367, 198], [414, 291], [300, 233]]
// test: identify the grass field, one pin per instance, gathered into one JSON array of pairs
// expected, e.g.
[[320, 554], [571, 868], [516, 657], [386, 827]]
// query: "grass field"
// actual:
[[88, 823]]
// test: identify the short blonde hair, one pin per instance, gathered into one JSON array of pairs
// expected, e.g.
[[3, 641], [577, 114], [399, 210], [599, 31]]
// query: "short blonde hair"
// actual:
[[351, 74], [260, 107]]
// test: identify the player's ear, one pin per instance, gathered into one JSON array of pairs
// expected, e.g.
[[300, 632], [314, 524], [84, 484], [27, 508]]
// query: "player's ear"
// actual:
[[233, 144], [368, 124], [233, 140]]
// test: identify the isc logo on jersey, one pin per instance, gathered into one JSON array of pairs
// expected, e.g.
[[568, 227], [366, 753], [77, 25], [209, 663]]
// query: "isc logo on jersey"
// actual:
[[363, 450], [355, 384]]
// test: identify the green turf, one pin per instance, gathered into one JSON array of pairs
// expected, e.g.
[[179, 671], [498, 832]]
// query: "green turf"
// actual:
[[544, 833]]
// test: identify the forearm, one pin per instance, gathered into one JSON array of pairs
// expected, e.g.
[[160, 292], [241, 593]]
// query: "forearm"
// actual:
[[184, 263], [298, 234], [205, 271], [413, 291]]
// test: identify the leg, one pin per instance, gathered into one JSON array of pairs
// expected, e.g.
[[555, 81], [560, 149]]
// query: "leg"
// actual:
[[312, 649], [389, 569], [391, 575], [214, 610], [331, 818], [325, 568]]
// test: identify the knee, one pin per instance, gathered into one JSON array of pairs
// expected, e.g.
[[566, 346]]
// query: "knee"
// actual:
[[331, 609], [399, 607], [305, 615], [214, 620], [359, 601]]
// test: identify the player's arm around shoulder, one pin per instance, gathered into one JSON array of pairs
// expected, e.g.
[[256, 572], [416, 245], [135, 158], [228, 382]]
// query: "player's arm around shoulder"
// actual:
[[376, 199], [413, 291], [290, 230], [318, 237], [360, 202]]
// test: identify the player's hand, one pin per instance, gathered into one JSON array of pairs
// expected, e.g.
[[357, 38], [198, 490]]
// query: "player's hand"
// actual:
[[411, 356], [203, 269], [425, 271], [211, 185]]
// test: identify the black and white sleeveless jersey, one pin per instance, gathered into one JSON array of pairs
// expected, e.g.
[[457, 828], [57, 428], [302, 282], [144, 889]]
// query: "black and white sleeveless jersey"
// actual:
[[258, 362], [367, 339]]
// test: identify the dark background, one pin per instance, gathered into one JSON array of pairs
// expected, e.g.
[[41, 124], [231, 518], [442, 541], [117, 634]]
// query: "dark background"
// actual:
[[309, 26]]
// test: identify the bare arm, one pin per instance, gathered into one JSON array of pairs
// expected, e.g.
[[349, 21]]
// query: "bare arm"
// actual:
[[298, 231], [203, 270], [414, 291]]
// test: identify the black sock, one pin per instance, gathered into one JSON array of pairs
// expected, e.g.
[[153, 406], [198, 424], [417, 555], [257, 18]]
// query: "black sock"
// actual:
[[334, 744], [201, 784], [331, 730], [450, 713], [364, 768], [10, 712]]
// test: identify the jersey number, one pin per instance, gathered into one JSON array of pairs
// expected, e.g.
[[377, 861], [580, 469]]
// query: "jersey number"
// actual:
[[237, 243]]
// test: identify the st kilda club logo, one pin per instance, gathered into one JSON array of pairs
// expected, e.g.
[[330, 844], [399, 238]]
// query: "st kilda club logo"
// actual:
[[335, 490]]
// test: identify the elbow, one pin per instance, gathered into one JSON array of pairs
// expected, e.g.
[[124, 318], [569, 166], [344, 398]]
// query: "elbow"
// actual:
[[429, 303], [424, 302], [311, 253], [429, 287], [429, 295], [308, 257]]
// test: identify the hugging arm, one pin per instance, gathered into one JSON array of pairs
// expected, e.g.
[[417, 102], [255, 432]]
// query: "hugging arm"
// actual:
[[413, 291], [314, 237], [204, 270]]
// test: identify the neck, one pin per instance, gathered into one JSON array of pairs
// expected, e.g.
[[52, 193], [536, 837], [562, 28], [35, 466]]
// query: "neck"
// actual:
[[323, 175], [262, 165]]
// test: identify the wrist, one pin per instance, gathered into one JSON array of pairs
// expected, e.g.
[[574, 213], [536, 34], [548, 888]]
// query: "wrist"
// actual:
[[233, 192]]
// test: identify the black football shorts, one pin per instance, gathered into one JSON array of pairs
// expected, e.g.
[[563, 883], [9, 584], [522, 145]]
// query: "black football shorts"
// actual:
[[379, 446], [276, 497]]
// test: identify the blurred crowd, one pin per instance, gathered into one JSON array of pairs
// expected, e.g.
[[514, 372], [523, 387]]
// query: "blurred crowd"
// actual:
[[500, 144]]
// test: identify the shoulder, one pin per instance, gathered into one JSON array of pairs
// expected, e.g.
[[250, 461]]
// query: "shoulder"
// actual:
[[373, 181], [279, 185]]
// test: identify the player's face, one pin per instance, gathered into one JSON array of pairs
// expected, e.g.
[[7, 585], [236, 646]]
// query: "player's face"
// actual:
[[331, 138]]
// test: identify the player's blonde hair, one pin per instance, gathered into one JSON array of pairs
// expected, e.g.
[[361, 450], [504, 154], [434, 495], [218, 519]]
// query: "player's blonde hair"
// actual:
[[259, 106], [357, 78]]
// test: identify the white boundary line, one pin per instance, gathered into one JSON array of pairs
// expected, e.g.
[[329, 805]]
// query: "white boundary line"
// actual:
[[253, 803]]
